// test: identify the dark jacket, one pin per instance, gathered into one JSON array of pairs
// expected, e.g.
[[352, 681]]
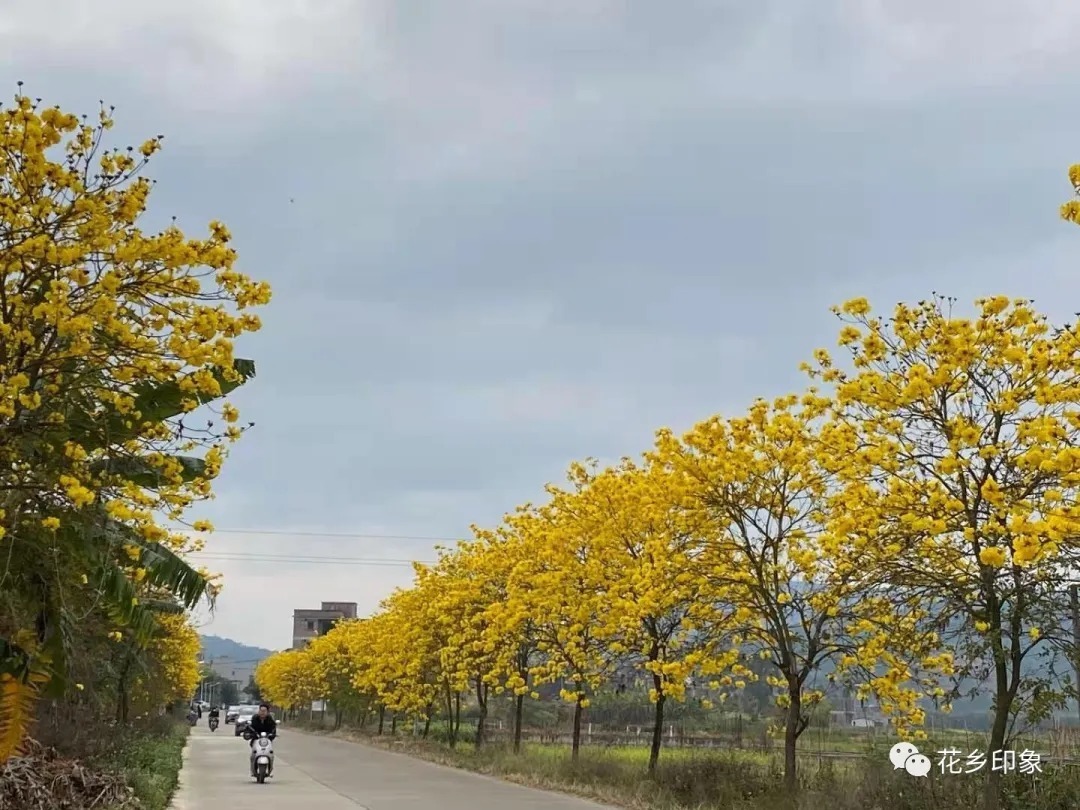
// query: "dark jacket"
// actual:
[[260, 724]]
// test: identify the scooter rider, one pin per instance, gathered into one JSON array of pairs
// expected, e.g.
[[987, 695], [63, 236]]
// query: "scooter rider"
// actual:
[[213, 719], [261, 723]]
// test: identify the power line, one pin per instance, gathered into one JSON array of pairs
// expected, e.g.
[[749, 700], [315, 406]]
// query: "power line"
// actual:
[[338, 535], [292, 559], [263, 555]]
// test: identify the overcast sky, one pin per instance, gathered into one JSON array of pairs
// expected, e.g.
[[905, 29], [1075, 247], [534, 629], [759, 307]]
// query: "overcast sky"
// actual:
[[504, 235]]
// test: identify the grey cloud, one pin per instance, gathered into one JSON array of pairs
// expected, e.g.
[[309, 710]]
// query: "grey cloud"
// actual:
[[505, 235]]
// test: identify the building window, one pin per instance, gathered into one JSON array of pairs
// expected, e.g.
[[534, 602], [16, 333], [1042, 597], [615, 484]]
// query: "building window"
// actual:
[[311, 625]]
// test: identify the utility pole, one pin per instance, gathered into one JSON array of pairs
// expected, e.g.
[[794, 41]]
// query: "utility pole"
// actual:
[[1074, 601]]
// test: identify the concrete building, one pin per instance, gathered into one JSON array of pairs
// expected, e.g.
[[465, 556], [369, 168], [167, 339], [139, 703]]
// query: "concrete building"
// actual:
[[308, 624], [239, 672]]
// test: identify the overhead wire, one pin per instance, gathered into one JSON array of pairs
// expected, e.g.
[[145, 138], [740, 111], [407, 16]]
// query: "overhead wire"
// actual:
[[336, 535], [298, 558], [292, 559]]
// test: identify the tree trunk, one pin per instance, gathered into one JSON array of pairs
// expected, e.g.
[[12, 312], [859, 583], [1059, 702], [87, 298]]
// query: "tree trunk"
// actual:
[[337, 718], [393, 724], [519, 714], [481, 701], [578, 711], [427, 725], [122, 699], [457, 715], [658, 723], [1003, 700], [449, 697], [792, 730], [382, 719], [1006, 682]]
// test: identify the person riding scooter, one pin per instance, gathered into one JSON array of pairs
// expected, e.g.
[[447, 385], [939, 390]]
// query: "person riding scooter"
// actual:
[[213, 720], [263, 722]]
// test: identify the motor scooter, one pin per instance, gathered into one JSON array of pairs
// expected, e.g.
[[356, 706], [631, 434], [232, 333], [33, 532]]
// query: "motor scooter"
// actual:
[[262, 756], [213, 723]]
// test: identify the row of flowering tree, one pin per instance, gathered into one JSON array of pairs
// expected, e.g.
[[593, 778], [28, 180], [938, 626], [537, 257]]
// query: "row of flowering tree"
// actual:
[[112, 336], [908, 521]]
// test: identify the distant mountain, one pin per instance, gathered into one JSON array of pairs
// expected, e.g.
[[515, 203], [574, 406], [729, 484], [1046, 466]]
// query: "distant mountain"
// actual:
[[214, 647]]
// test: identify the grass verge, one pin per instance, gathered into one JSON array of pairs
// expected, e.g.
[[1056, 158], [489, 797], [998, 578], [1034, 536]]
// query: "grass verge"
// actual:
[[730, 780], [150, 759]]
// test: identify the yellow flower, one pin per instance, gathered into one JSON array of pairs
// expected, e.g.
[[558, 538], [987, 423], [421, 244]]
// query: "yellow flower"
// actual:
[[51, 523], [992, 556], [856, 307]]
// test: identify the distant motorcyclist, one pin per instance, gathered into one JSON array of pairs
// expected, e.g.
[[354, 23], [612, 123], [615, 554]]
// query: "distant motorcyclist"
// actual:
[[214, 712]]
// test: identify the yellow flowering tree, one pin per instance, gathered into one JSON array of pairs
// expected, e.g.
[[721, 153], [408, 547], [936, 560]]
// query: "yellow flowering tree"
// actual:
[[110, 336], [462, 585], [559, 590], [403, 659], [336, 659], [170, 669], [287, 679], [664, 617], [509, 637], [958, 439], [792, 579]]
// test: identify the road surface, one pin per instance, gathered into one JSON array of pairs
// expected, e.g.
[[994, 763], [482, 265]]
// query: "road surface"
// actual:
[[313, 772]]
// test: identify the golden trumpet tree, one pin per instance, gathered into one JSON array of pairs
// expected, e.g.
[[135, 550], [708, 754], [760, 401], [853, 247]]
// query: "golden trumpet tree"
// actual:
[[96, 312], [337, 658], [509, 637], [958, 439], [793, 583], [469, 580], [663, 617], [172, 665], [365, 640], [560, 590], [287, 679], [404, 657], [110, 333]]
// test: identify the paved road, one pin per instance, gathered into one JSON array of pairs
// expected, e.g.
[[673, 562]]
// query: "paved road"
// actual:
[[313, 772]]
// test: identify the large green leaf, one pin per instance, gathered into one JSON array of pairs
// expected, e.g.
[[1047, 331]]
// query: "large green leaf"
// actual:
[[160, 402], [155, 402], [164, 567]]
